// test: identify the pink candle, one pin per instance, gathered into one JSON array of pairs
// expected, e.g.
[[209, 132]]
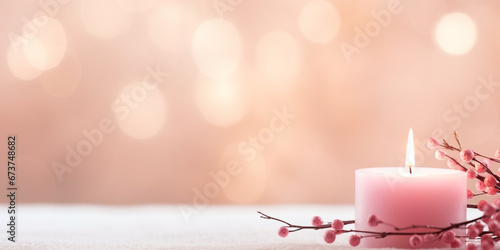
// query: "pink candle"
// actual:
[[426, 196]]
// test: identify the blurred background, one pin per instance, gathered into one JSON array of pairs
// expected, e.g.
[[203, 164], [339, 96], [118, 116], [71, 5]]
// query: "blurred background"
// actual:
[[238, 101]]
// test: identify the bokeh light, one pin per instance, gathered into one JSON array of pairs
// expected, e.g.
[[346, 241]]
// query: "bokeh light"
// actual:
[[310, 171], [456, 33], [63, 80], [105, 18], [278, 57], [140, 110], [221, 101], [319, 21], [224, 70], [217, 48], [137, 5], [47, 48], [166, 23], [19, 65]]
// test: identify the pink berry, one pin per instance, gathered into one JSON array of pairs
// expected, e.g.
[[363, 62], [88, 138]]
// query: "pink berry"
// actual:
[[329, 236], [481, 204], [432, 143], [456, 243], [496, 217], [451, 163], [497, 154], [283, 232], [471, 174], [480, 168], [373, 221], [429, 238], [471, 246], [466, 155], [488, 246], [493, 226], [354, 240], [487, 242], [469, 194], [337, 225], [491, 190], [440, 154], [479, 226], [317, 221], [486, 237], [496, 202], [416, 240], [480, 186], [489, 180], [488, 210], [472, 231], [486, 163], [448, 237]]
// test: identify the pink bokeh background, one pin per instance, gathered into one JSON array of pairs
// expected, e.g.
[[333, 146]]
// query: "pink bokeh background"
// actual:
[[355, 76]]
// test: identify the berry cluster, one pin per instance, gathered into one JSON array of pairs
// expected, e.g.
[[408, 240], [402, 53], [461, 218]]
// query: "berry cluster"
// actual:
[[476, 165], [481, 232]]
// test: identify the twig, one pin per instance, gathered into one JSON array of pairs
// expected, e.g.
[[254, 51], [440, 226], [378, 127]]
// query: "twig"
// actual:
[[437, 230]]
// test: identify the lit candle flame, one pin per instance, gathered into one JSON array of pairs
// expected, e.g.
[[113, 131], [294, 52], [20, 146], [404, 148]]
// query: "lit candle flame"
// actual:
[[410, 152]]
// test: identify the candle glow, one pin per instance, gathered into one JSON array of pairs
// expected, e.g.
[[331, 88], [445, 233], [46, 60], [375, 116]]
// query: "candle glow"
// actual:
[[410, 152]]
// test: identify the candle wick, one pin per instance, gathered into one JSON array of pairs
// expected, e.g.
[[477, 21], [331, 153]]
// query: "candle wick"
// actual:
[[409, 166]]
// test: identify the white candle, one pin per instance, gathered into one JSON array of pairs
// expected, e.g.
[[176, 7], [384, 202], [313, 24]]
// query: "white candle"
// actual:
[[427, 196]]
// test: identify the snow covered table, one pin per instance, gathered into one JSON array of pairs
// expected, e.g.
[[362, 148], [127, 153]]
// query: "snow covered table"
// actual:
[[164, 227]]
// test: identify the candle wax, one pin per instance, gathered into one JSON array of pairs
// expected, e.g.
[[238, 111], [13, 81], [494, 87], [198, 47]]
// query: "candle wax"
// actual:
[[428, 196]]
